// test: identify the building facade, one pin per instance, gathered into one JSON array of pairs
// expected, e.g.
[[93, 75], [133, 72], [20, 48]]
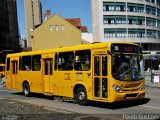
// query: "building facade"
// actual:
[[57, 32], [135, 21], [33, 17], [9, 35], [127, 20]]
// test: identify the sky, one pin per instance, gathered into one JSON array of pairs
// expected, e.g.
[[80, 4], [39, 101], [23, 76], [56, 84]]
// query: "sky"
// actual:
[[65, 8]]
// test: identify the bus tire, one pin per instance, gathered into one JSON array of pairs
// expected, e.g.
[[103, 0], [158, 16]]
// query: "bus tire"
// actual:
[[26, 89], [81, 96], [75, 98]]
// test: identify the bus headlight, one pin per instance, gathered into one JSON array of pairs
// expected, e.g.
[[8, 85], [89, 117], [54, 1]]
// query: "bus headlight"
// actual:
[[142, 87], [116, 88]]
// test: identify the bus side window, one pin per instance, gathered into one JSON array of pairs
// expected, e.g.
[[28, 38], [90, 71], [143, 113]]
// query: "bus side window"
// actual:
[[55, 61], [82, 60], [36, 62], [65, 61], [20, 59], [1, 68], [61, 63], [26, 63], [8, 64]]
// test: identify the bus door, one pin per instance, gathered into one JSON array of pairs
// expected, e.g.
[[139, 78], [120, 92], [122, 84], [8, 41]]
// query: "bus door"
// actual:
[[14, 71], [47, 74], [100, 84]]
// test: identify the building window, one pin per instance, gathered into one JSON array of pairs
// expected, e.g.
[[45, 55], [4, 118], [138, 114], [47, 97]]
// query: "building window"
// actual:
[[108, 32], [135, 7], [158, 34], [158, 23], [114, 19], [158, 2], [152, 1], [150, 10], [104, 8], [137, 20], [111, 6], [158, 12], [151, 33], [136, 33], [62, 27], [151, 22], [50, 28], [56, 27]]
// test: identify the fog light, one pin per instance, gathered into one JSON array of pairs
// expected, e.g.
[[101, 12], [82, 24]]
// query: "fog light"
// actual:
[[116, 88]]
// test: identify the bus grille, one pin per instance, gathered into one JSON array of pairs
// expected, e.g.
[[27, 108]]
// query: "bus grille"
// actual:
[[129, 90], [132, 95], [130, 85]]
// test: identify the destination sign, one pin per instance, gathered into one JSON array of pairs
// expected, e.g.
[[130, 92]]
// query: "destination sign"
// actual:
[[127, 48]]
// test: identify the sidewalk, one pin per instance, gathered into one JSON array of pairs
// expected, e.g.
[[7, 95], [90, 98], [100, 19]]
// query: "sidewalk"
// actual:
[[148, 79], [16, 110]]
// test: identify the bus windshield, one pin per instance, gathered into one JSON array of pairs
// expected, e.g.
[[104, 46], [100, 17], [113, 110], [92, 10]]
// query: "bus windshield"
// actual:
[[127, 66]]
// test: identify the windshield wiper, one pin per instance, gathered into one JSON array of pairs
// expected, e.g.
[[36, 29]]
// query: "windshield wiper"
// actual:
[[127, 71]]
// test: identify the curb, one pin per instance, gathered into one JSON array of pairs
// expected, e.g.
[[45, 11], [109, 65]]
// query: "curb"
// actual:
[[152, 86], [45, 106]]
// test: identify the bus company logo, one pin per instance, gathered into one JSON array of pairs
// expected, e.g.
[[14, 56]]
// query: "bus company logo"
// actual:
[[116, 48], [130, 85], [89, 74], [131, 90], [126, 85]]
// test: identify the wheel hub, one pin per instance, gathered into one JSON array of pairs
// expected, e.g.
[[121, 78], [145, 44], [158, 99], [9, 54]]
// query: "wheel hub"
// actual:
[[81, 96]]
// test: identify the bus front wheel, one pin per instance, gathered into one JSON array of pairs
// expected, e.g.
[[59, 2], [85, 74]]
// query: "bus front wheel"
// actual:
[[26, 89], [81, 96]]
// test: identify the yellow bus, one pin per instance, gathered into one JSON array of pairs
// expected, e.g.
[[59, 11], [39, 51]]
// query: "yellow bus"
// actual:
[[105, 72], [2, 69]]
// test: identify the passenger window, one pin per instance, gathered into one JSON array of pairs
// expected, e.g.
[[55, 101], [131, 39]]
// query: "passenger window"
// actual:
[[56, 61], [1, 68], [36, 62], [65, 61], [8, 64], [82, 60], [19, 63], [26, 63]]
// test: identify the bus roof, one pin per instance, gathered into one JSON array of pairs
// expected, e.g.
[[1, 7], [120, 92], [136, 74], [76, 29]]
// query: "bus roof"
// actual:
[[70, 48]]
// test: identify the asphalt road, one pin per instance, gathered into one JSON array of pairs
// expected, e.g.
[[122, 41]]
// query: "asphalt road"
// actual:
[[146, 108]]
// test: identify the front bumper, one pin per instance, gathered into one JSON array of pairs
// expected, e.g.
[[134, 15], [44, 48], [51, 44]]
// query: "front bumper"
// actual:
[[125, 96]]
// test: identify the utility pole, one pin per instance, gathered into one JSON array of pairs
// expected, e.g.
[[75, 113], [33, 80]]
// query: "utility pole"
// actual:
[[152, 75]]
